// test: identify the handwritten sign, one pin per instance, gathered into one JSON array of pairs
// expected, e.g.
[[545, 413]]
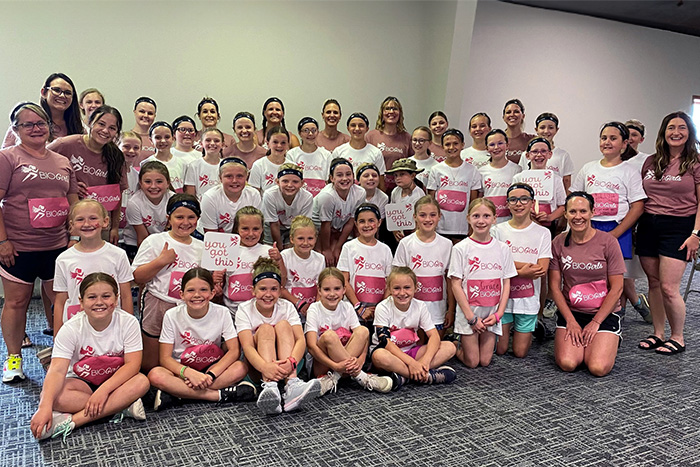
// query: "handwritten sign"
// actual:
[[542, 181], [220, 251], [399, 216]]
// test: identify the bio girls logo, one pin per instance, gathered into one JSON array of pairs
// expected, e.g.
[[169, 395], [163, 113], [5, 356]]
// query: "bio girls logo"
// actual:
[[225, 218], [103, 199], [338, 213], [296, 277], [176, 285], [147, 221], [666, 178], [203, 180], [579, 296], [445, 181], [41, 212], [474, 291], [363, 288], [79, 166], [32, 173], [489, 291], [418, 262], [86, 351], [384, 148], [522, 249], [423, 289], [490, 183], [569, 263], [269, 179], [476, 264], [189, 339], [234, 241], [591, 180], [361, 263], [77, 275], [244, 264]]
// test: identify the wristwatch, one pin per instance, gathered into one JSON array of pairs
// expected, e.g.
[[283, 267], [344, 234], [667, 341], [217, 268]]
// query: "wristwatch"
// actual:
[[696, 233]]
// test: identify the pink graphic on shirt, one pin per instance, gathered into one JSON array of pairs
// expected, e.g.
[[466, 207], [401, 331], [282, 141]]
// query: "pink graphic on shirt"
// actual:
[[305, 292], [589, 296], [77, 274], [483, 292], [430, 288], [86, 351], [108, 196], [147, 221], [240, 287], [72, 310], [46, 213], [606, 204], [314, 186], [203, 180], [451, 200], [224, 219], [473, 263], [369, 289], [269, 179], [501, 205], [521, 287], [97, 370], [200, 357], [186, 337], [175, 284], [590, 180], [338, 213], [404, 337], [122, 217], [444, 181]]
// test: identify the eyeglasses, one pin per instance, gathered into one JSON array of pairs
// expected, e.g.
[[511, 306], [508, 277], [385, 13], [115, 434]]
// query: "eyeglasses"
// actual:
[[522, 200], [391, 109], [310, 131], [543, 152], [418, 140], [189, 131], [60, 92], [499, 144], [29, 126]]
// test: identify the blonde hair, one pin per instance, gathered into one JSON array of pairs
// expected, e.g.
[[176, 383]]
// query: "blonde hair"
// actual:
[[482, 202], [248, 211], [422, 201], [400, 128], [301, 222], [85, 202], [265, 264], [401, 271], [129, 134], [331, 272]]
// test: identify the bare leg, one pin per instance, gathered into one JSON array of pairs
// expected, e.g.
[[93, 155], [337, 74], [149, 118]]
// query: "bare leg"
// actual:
[[656, 302], [600, 354], [14, 314], [469, 351], [385, 360], [671, 272], [445, 352], [47, 298], [521, 343], [504, 340], [567, 356], [487, 343]]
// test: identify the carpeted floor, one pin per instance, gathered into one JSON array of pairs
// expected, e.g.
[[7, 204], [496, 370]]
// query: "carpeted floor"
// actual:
[[515, 412]]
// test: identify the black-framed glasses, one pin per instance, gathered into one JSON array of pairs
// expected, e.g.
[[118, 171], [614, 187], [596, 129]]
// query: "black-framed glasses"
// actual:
[[56, 91], [29, 126], [186, 130], [515, 200], [419, 140], [310, 131]]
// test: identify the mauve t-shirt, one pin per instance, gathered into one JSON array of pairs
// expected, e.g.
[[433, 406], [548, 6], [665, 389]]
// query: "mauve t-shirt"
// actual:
[[674, 194], [517, 146], [331, 144], [393, 147], [24, 178], [248, 157], [147, 150]]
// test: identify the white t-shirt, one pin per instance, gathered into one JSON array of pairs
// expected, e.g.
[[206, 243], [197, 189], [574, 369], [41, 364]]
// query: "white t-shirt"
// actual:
[[380, 199], [330, 207], [302, 274], [219, 212], [202, 175], [475, 157], [527, 245], [638, 161], [248, 318], [239, 281], [452, 191], [558, 197], [166, 284], [370, 154], [314, 165], [186, 157], [430, 262], [403, 325], [184, 331], [482, 269], [276, 209], [320, 319], [425, 164], [77, 340], [613, 188], [560, 163], [141, 211], [415, 195], [495, 185], [176, 169], [368, 266], [72, 266], [263, 174]]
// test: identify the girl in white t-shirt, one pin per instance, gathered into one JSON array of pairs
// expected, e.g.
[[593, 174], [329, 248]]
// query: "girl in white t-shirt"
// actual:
[[531, 247], [90, 254], [273, 343], [420, 143], [438, 123], [192, 363], [480, 272], [365, 263], [312, 159], [476, 154], [130, 146], [547, 126], [264, 171], [368, 177], [283, 202], [185, 132], [160, 263], [406, 190], [303, 265], [336, 340], [161, 134], [498, 174], [427, 254], [357, 150], [94, 370], [202, 174], [395, 346]]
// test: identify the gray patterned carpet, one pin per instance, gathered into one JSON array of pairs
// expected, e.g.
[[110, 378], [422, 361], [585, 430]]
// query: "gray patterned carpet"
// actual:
[[516, 412]]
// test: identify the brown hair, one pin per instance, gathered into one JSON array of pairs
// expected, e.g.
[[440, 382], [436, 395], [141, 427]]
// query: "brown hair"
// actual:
[[401, 271], [96, 278], [331, 272]]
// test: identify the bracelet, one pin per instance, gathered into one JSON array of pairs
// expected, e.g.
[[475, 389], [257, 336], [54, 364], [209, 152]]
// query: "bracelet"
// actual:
[[498, 318], [213, 376], [472, 322], [182, 372], [695, 232], [4, 241], [294, 362], [596, 322]]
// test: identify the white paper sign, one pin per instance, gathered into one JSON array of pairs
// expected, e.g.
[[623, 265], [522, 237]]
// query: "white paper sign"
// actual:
[[220, 251], [399, 216], [542, 181]]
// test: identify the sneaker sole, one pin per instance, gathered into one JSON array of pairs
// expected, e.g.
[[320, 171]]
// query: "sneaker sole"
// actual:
[[14, 379], [269, 403], [312, 392]]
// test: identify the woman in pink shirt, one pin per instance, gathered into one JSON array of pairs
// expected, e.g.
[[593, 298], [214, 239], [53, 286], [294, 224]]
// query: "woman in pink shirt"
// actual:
[[37, 187], [390, 136]]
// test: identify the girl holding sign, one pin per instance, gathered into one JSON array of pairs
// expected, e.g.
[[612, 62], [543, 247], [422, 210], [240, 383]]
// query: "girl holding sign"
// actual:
[[98, 163], [284, 202], [547, 126], [161, 134], [202, 174], [498, 174], [160, 263], [312, 159], [192, 363], [531, 247], [480, 271], [365, 263]]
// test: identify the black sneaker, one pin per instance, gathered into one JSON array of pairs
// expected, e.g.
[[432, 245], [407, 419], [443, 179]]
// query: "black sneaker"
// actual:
[[397, 381], [242, 392], [542, 332], [164, 401], [442, 375]]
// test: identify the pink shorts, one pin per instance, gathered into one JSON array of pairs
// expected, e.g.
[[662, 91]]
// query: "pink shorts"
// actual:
[[413, 351], [152, 312]]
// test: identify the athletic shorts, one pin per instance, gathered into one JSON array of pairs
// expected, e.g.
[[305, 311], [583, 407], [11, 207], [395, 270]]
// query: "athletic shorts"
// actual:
[[659, 235], [523, 323], [152, 312], [413, 351], [625, 240], [612, 323], [30, 265], [462, 326]]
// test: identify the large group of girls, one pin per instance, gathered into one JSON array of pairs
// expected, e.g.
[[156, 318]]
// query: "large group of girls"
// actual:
[[321, 287]]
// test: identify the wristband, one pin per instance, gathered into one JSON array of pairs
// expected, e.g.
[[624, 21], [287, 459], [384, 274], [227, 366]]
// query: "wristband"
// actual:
[[74, 238], [498, 318], [4, 241], [182, 372], [472, 322], [696, 233], [294, 362], [213, 376], [596, 322]]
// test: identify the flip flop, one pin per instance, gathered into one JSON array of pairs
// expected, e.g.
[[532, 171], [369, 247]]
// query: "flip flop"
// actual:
[[652, 342], [26, 342], [672, 346]]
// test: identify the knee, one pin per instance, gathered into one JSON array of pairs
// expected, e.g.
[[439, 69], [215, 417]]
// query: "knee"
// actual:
[[600, 368], [470, 361], [265, 331], [362, 332], [16, 303], [142, 384], [485, 360], [520, 353], [566, 364], [669, 290], [283, 327], [329, 336], [448, 348], [157, 375]]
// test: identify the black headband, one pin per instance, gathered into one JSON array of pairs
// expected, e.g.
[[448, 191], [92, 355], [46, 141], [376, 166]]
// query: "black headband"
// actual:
[[452, 132], [233, 160], [159, 124], [367, 207], [194, 207], [241, 115], [538, 139], [522, 186], [145, 99], [184, 118], [284, 172], [365, 167], [267, 275], [581, 194], [340, 162], [624, 131], [358, 115], [635, 127], [207, 100], [306, 120], [550, 117]]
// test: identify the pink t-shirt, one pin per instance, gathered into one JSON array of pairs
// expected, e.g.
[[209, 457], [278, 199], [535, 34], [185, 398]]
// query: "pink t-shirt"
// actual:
[[437, 152], [35, 207], [585, 269], [314, 165], [673, 195], [517, 147], [368, 267], [11, 138], [393, 147], [453, 187], [248, 157], [331, 144]]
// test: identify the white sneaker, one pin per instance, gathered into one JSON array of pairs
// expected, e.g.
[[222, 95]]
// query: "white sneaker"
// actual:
[[61, 425], [136, 410], [269, 400], [550, 308], [297, 393], [12, 370], [373, 382], [329, 383]]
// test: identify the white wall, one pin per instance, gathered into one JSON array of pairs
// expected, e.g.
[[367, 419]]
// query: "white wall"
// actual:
[[585, 70], [239, 52]]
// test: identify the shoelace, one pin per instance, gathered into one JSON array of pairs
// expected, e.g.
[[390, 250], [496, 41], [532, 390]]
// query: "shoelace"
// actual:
[[370, 385], [64, 429], [438, 377], [333, 388], [118, 417]]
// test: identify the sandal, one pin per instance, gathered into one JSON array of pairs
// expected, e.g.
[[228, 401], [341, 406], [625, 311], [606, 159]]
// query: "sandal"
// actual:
[[652, 342], [26, 342], [672, 347]]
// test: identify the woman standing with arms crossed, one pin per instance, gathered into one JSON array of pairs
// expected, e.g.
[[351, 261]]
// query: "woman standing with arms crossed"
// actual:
[[514, 117]]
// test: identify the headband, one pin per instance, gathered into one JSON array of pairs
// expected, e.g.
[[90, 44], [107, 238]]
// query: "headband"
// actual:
[[306, 120], [241, 115], [145, 99], [453, 132], [480, 114], [192, 206], [581, 194], [635, 127], [538, 139], [516, 102], [547, 116], [207, 100], [366, 167], [159, 124], [367, 207], [290, 171], [624, 131], [522, 186], [233, 160], [184, 118], [338, 162], [358, 115], [19, 107], [267, 275]]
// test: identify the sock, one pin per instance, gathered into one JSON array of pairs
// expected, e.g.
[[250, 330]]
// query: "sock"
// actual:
[[219, 395], [336, 376], [361, 376], [639, 302]]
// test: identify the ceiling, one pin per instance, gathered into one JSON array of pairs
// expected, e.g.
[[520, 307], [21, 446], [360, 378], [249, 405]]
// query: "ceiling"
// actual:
[[681, 16]]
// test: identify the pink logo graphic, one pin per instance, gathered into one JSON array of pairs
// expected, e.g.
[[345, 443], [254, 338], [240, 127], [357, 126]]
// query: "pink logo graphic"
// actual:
[[308, 293], [186, 337], [203, 180], [234, 241], [484, 292], [590, 179], [97, 370], [370, 289], [295, 275], [31, 172], [452, 200], [338, 213], [589, 296], [444, 180], [147, 221], [301, 165], [404, 337], [488, 183], [200, 357], [77, 275], [521, 287], [240, 287], [430, 288], [269, 179], [225, 218], [86, 351], [360, 263], [474, 264], [175, 284], [547, 174], [417, 261]]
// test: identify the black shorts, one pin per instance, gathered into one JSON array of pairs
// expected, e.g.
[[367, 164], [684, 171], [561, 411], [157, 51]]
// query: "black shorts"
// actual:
[[32, 264], [612, 323], [659, 235]]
